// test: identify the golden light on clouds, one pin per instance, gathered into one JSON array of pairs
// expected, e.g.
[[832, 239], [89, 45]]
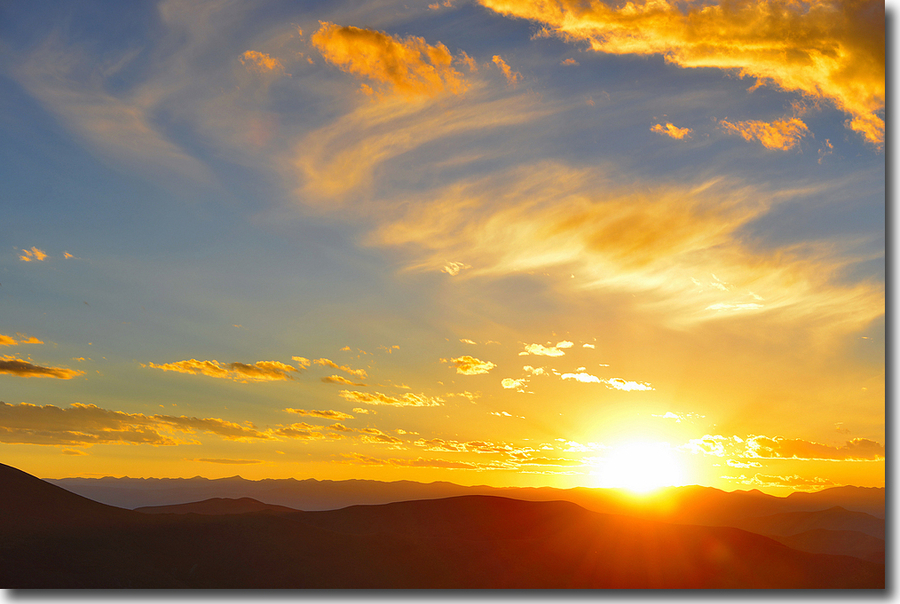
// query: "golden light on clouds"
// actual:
[[261, 371], [512, 77], [823, 49], [672, 131], [469, 365], [261, 62], [781, 135], [14, 366], [407, 66], [33, 254]]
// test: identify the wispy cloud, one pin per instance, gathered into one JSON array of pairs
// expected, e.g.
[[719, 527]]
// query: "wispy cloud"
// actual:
[[324, 413], [261, 62], [512, 77], [261, 371], [614, 383], [360, 373], [405, 400]]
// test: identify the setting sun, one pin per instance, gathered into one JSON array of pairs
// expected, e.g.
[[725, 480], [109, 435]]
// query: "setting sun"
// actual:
[[642, 467]]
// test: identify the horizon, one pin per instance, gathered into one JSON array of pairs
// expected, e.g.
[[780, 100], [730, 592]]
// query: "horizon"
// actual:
[[477, 242]]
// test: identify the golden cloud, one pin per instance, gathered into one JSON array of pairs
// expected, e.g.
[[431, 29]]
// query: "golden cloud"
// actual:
[[227, 461], [33, 254], [765, 447], [339, 379], [800, 483], [615, 383], [261, 371], [547, 351], [512, 77], [261, 62], [16, 366], [672, 131], [324, 414], [409, 67], [357, 458], [654, 241], [469, 365], [376, 398], [82, 424], [360, 373], [780, 135], [824, 49]]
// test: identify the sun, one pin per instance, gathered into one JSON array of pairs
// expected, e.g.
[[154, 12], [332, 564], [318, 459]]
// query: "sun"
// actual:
[[642, 467]]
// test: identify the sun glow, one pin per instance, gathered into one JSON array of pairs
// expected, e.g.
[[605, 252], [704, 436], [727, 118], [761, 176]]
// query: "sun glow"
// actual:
[[642, 467]]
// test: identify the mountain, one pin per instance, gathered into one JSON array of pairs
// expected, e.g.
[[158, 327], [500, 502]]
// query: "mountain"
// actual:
[[836, 518], [56, 539], [847, 543], [689, 504], [216, 506]]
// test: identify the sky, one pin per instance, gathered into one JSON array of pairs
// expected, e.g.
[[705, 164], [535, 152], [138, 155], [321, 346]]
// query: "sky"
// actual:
[[531, 243]]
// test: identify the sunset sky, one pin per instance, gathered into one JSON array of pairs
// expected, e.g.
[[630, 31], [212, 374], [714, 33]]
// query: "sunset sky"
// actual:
[[515, 243]]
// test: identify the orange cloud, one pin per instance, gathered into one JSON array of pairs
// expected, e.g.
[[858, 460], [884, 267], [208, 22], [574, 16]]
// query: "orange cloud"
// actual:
[[339, 379], [781, 135], [824, 49], [227, 461], [261, 371], [799, 483], [361, 373], [468, 365], [15, 366], [82, 424], [261, 62], [407, 400], [33, 254], [765, 447], [615, 383], [409, 67], [672, 131], [512, 77], [324, 414], [569, 61]]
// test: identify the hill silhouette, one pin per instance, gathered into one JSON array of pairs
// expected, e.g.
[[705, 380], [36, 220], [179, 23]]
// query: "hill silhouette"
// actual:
[[217, 506], [460, 542]]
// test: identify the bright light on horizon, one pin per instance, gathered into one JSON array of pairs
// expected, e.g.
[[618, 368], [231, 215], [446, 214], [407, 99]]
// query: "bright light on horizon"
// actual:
[[642, 467]]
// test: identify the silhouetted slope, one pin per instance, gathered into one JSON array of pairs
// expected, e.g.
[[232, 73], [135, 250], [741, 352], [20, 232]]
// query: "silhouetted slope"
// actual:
[[836, 518], [845, 543], [860, 499], [216, 506], [465, 542]]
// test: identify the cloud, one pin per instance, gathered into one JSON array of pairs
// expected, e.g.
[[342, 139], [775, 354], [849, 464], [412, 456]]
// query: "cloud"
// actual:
[[533, 370], [261, 62], [406, 400], [781, 135], [81, 424], [512, 77], [591, 346], [324, 414], [339, 379], [800, 483], [22, 339], [765, 447], [614, 383], [421, 462], [409, 67], [261, 371], [33, 254], [228, 461], [541, 350], [368, 435], [672, 131], [75, 452], [858, 449], [823, 49], [469, 365], [14, 366], [299, 431], [72, 84], [568, 62], [453, 268], [512, 384], [360, 373], [649, 242]]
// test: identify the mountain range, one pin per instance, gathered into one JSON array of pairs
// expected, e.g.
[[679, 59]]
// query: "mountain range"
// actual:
[[55, 538]]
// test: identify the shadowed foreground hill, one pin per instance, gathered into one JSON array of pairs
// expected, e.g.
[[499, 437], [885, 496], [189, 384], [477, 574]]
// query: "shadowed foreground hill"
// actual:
[[463, 542]]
